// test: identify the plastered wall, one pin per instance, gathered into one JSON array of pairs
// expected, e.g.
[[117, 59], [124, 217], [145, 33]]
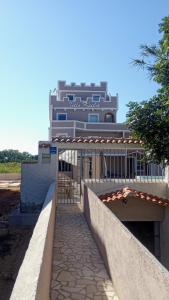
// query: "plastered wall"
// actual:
[[135, 272], [35, 181], [156, 188]]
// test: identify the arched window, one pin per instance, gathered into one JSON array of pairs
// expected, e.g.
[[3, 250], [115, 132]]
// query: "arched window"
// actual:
[[109, 118]]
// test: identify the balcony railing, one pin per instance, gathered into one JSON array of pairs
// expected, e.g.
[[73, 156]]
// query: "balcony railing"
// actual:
[[89, 126]]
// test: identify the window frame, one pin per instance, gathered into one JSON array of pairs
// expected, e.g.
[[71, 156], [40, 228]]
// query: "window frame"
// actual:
[[97, 95], [93, 114], [74, 98], [57, 116]]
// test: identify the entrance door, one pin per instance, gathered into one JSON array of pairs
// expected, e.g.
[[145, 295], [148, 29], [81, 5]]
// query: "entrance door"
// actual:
[[68, 185]]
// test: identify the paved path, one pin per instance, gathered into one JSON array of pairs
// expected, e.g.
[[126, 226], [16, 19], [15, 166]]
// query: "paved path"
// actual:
[[78, 269]]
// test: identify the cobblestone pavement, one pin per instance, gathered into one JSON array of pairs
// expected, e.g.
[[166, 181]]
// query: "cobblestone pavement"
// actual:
[[78, 269]]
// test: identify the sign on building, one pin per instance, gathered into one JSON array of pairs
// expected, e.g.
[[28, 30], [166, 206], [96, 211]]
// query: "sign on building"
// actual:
[[53, 150]]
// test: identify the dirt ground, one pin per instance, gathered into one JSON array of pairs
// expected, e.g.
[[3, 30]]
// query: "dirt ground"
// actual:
[[13, 245], [9, 200]]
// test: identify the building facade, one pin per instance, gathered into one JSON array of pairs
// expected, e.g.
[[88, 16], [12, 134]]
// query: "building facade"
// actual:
[[84, 110]]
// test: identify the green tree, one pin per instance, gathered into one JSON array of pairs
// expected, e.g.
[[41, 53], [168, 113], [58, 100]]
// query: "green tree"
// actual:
[[15, 156], [149, 120], [155, 58]]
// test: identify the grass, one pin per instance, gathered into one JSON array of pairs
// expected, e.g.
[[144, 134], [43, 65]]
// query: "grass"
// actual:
[[10, 167]]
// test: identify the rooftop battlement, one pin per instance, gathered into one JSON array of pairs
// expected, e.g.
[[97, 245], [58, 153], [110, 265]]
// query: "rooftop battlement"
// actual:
[[62, 85]]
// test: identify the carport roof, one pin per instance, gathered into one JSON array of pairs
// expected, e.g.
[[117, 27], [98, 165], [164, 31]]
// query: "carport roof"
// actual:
[[126, 192]]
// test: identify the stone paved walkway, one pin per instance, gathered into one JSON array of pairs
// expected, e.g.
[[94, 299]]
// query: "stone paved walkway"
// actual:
[[78, 269]]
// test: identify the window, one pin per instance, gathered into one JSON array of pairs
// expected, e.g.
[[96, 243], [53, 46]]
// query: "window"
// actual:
[[109, 118], [96, 98], [61, 117], [71, 97], [93, 118]]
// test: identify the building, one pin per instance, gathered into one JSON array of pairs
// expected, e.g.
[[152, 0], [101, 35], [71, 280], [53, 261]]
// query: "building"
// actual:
[[90, 111], [105, 181], [84, 110]]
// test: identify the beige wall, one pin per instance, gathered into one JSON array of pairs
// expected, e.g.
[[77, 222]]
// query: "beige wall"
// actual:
[[135, 272], [80, 115], [99, 133], [57, 132], [156, 188], [136, 210], [33, 280]]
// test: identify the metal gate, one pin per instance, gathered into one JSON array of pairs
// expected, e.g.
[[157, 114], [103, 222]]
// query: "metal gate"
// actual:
[[97, 166], [69, 176]]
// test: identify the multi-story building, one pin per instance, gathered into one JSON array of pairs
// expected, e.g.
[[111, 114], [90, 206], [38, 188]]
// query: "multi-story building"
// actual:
[[84, 110]]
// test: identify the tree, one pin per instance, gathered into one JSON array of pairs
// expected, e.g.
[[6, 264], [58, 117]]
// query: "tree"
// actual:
[[149, 120], [15, 156], [155, 58]]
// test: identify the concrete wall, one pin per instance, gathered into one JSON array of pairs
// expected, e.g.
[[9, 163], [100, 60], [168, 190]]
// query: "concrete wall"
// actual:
[[80, 115], [36, 179], [135, 272], [156, 188], [164, 228], [136, 210], [114, 134], [164, 238], [33, 280], [64, 132], [10, 176]]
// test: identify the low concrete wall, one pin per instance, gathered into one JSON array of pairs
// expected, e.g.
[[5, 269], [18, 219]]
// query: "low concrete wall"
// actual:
[[135, 272], [33, 280], [35, 181], [10, 176]]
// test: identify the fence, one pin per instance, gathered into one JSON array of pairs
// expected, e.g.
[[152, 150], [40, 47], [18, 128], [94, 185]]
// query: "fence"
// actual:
[[102, 165]]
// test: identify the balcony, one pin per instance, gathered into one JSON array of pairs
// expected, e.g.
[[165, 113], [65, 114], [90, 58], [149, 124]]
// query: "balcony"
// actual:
[[100, 126]]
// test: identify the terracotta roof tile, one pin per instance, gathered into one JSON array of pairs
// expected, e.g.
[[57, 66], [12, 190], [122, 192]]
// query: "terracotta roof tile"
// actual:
[[126, 192], [98, 140]]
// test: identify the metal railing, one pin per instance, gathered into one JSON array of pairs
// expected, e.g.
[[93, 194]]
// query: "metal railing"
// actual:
[[106, 165]]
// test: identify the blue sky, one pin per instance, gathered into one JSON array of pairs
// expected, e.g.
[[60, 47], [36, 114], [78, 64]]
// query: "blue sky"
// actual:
[[42, 42]]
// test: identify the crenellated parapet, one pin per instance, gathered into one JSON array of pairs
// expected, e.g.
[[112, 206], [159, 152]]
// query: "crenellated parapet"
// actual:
[[62, 85]]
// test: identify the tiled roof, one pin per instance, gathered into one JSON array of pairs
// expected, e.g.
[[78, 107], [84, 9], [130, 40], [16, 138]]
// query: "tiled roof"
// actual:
[[96, 140], [128, 192]]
